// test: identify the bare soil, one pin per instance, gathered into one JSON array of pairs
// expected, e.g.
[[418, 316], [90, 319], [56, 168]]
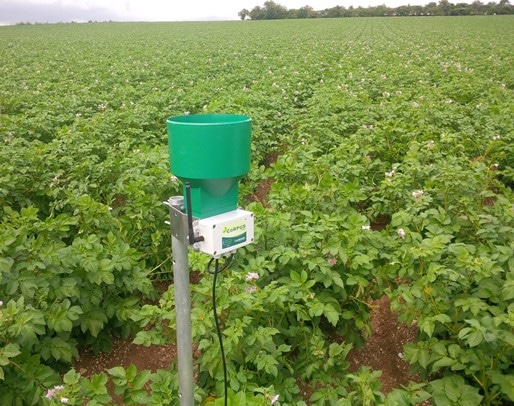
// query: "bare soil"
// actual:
[[383, 350], [124, 353]]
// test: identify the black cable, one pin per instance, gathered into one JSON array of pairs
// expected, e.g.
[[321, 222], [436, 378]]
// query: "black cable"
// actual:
[[215, 273]]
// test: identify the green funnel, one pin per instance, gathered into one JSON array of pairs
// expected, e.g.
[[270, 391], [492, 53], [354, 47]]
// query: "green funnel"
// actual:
[[212, 153]]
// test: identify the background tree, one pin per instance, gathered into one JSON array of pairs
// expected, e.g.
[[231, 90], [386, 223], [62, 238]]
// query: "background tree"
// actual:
[[445, 7], [477, 7], [381, 10], [306, 12], [432, 9], [257, 13], [272, 10], [461, 9], [334, 12], [504, 7], [243, 14]]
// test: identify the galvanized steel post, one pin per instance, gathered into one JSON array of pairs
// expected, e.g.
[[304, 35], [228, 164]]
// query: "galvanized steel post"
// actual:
[[179, 246]]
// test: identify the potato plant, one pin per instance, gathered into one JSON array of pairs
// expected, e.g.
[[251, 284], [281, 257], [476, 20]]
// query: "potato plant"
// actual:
[[408, 120]]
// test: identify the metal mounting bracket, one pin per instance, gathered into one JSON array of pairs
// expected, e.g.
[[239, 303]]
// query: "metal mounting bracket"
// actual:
[[178, 219]]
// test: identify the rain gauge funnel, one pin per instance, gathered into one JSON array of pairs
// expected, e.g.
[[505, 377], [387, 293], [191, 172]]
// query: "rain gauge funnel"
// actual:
[[212, 153]]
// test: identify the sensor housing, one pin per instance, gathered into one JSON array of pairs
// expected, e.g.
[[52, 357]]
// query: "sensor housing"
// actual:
[[224, 233]]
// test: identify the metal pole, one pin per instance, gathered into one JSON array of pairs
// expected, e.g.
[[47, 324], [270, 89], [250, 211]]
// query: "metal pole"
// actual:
[[179, 246]]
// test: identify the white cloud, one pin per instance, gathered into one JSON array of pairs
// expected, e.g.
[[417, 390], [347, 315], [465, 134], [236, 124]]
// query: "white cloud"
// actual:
[[131, 10], [12, 11], [45, 11]]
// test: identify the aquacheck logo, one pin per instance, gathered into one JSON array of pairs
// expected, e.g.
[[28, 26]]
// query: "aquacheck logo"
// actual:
[[233, 234]]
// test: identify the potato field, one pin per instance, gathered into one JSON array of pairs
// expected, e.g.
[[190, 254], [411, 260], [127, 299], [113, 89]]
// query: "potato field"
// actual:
[[382, 165]]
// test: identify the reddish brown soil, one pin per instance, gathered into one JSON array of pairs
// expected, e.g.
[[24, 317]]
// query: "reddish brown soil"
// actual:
[[123, 354], [262, 189], [383, 350], [260, 192]]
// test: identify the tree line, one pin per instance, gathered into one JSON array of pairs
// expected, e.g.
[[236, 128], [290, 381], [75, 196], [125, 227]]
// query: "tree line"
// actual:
[[274, 11]]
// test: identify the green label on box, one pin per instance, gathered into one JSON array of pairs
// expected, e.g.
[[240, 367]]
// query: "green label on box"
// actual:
[[233, 234]]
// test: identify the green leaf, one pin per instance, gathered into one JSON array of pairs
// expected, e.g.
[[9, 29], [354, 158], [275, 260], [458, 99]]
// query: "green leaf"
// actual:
[[117, 372], [316, 308], [335, 349], [475, 338], [471, 398], [439, 348], [131, 372], [442, 318], [69, 288], [508, 290], [331, 314], [454, 350], [397, 397], [58, 320], [139, 397], [106, 265], [423, 357], [348, 314], [337, 280], [141, 379], [268, 363], [93, 322], [71, 377], [6, 265], [97, 386], [295, 277], [440, 399], [101, 276], [443, 362], [506, 383], [464, 332], [428, 326], [60, 349], [11, 350], [452, 390]]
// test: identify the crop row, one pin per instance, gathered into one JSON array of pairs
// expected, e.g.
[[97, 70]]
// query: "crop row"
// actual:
[[407, 120]]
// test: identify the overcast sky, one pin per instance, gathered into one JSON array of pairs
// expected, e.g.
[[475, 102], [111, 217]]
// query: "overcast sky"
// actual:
[[51, 11]]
